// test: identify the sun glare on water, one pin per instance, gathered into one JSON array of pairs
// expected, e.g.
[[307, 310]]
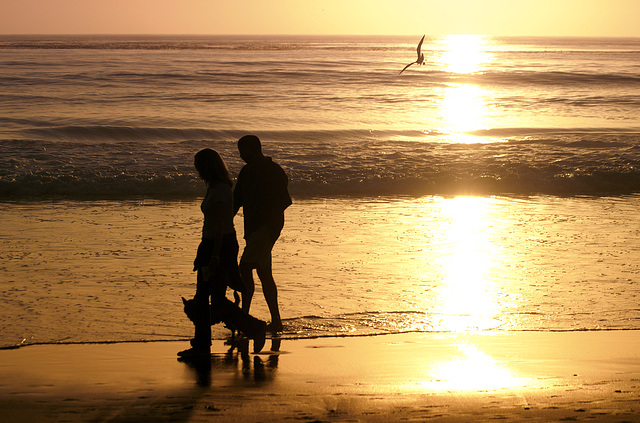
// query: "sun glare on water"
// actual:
[[464, 53], [463, 106], [466, 298]]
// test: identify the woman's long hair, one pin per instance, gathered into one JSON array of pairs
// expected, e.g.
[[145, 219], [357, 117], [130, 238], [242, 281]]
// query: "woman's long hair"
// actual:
[[211, 167]]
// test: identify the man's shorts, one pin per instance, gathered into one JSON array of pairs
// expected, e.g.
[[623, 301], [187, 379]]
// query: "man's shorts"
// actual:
[[257, 251]]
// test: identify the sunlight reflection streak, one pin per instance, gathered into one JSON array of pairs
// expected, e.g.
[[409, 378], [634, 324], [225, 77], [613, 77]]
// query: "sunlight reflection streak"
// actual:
[[463, 53], [471, 369], [467, 299], [463, 109], [463, 106]]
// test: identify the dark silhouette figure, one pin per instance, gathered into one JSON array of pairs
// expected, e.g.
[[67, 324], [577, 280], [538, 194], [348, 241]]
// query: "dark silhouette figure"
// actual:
[[420, 60], [216, 263], [261, 191]]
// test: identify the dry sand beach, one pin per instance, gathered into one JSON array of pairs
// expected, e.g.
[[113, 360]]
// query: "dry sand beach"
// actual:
[[508, 376]]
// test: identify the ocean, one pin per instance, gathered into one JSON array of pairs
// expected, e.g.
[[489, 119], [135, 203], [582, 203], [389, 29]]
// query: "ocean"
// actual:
[[495, 188]]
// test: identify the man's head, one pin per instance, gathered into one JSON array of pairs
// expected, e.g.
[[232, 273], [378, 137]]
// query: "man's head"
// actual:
[[250, 148]]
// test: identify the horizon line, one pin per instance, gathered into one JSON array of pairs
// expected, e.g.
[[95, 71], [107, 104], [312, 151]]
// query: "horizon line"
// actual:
[[306, 35]]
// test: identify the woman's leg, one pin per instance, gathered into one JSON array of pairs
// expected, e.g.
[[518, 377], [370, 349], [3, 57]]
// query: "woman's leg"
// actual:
[[202, 322]]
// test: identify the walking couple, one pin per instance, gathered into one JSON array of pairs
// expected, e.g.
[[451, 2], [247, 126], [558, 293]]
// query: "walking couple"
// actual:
[[261, 191]]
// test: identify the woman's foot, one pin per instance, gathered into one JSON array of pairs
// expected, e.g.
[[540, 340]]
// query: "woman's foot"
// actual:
[[195, 353], [198, 349]]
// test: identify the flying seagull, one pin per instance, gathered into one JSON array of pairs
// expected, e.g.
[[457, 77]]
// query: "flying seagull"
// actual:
[[420, 60]]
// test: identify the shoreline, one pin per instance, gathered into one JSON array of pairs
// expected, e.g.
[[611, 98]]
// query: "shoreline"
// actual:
[[287, 338], [516, 376]]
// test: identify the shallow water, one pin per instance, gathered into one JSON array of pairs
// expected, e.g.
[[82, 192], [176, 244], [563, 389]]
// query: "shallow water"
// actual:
[[115, 271]]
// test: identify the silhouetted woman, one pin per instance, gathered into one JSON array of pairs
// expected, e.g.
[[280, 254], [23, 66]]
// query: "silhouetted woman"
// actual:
[[216, 261]]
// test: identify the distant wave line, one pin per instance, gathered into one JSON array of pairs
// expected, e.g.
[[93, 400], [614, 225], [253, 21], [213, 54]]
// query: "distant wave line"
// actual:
[[135, 133], [547, 45]]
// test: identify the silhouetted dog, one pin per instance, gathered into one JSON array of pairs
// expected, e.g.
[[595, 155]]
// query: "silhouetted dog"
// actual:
[[190, 309]]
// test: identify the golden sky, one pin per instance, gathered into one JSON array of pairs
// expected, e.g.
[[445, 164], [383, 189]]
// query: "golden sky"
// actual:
[[379, 17]]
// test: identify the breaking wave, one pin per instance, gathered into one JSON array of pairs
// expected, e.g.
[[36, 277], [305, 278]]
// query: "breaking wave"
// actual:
[[324, 163]]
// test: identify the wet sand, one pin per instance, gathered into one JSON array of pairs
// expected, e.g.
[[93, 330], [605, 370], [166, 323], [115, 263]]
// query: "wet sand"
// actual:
[[512, 376], [116, 270]]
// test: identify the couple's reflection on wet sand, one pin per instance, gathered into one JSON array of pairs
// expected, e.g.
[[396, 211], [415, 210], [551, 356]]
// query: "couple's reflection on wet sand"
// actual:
[[236, 362]]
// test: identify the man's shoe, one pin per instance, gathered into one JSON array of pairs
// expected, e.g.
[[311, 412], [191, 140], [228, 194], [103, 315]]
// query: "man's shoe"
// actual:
[[274, 327]]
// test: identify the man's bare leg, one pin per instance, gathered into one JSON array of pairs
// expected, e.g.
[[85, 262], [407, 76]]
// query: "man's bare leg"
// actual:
[[271, 295]]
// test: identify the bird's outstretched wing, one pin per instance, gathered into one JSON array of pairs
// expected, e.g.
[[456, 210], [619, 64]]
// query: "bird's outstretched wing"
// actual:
[[420, 48], [406, 67]]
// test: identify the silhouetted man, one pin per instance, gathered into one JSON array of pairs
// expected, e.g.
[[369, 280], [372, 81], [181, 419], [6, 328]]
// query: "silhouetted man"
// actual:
[[261, 191]]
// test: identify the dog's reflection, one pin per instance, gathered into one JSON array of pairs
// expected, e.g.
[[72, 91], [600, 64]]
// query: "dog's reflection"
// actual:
[[238, 362]]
